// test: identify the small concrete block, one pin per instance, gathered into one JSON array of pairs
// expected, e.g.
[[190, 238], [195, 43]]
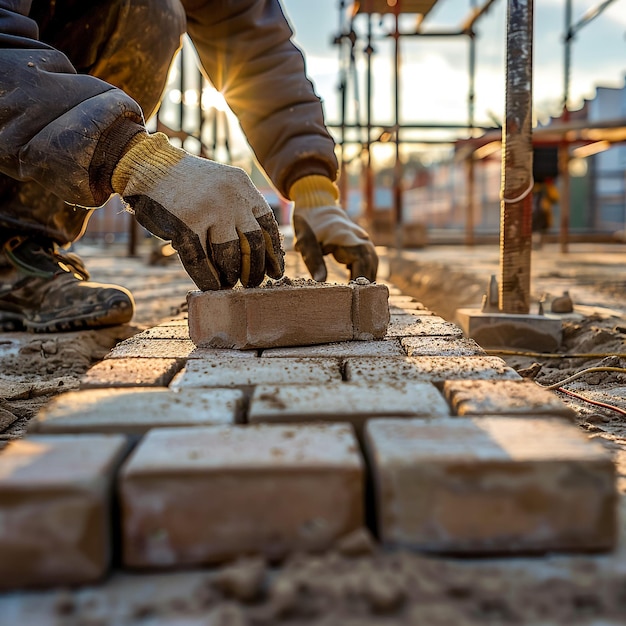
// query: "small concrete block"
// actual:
[[344, 349], [202, 495], [55, 509], [268, 317], [370, 311], [503, 397], [491, 485], [409, 308], [176, 322], [135, 411], [153, 349], [441, 346], [405, 304], [543, 333], [430, 369], [401, 299], [246, 372], [408, 325], [345, 402], [130, 372]]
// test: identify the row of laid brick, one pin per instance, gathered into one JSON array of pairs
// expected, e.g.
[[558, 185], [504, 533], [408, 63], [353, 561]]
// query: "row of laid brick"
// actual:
[[192, 496], [135, 410]]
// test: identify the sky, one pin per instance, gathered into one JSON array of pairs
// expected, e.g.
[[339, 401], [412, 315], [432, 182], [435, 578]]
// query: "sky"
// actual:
[[435, 73]]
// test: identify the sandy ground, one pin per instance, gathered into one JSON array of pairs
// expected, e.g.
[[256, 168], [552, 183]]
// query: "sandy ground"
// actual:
[[356, 583]]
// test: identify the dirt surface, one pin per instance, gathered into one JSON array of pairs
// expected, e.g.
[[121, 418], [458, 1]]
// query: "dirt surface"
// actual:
[[33, 368], [357, 582]]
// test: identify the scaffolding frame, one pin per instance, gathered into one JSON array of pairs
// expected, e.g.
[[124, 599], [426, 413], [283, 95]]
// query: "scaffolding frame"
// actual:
[[371, 132]]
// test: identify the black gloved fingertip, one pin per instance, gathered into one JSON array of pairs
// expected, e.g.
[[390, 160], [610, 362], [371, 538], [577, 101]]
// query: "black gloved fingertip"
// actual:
[[320, 274]]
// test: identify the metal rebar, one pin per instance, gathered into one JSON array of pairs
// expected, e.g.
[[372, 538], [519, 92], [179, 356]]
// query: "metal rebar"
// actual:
[[517, 157], [397, 170]]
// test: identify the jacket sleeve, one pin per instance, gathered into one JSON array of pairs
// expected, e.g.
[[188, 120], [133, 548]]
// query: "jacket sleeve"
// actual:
[[246, 50], [63, 130]]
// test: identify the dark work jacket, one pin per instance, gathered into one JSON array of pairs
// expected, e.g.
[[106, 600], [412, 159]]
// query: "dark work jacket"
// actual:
[[67, 131]]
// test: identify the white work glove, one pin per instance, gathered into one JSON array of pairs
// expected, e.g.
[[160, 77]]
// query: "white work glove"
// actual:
[[221, 226], [322, 227]]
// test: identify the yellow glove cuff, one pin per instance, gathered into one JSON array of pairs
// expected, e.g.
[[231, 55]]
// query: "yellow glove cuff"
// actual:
[[314, 191], [147, 159]]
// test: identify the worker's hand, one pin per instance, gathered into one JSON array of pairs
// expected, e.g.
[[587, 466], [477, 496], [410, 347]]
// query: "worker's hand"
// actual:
[[221, 226], [322, 227]]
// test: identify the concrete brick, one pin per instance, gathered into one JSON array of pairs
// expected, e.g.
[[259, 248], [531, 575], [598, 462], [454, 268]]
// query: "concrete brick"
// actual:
[[491, 485], [292, 313], [222, 353], [245, 372], [407, 304], [148, 348], [408, 325], [178, 331], [409, 308], [135, 411], [202, 495], [175, 322], [401, 300], [431, 369], [370, 311], [131, 372], [441, 346], [543, 333], [344, 349], [270, 317], [345, 402], [503, 397], [55, 509]]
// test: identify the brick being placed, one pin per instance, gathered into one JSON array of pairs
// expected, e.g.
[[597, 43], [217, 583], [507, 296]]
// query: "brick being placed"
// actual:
[[288, 313], [491, 485], [204, 495], [55, 509]]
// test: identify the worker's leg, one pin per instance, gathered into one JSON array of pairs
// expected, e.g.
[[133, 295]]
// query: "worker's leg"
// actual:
[[129, 43]]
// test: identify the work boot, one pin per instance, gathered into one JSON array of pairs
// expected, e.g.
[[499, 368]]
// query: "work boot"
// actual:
[[47, 290]]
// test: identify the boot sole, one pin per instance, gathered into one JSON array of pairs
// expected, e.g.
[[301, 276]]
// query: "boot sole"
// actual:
[[111, 317]]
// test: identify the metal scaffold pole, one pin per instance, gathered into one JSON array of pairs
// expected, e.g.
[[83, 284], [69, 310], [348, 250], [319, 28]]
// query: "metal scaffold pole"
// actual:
[[517, 161]]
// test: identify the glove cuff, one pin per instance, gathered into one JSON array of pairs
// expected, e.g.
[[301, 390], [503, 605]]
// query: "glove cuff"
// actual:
[[146, 160], [314, 191]]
